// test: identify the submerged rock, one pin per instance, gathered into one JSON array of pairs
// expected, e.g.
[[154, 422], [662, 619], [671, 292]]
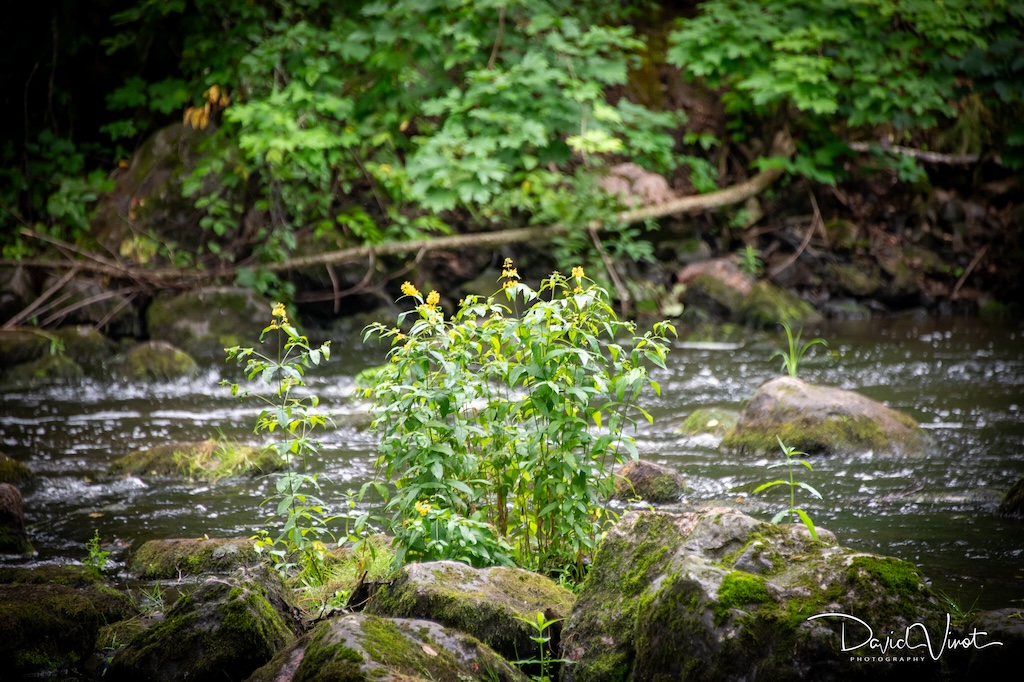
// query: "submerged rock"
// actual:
[[163, 559], [156, 361], [486, 603], [364, 648], [649, 481], [820, 419], [224, 630], [713, 420], [718, 595], [207, 460], [50, 617], [13, 537]]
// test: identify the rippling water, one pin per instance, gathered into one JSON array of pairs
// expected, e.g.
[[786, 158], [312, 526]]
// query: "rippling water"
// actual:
[[962, 379]]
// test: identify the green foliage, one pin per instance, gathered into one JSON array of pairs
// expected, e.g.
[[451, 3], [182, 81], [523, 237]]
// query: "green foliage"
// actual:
[[791, 358], [833, 66], [541, 625], [499, 425], [97, 560], [299, 541], [792, 512], [749, 260]]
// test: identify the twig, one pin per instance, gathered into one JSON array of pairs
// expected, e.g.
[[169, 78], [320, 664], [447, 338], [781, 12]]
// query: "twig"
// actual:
[[41, 299], [816, 223], [922, 154], [609, 266], [497, 39], [64, 312], [963, 278]]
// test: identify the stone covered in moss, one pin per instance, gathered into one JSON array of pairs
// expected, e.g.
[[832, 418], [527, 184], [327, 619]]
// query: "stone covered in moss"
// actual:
[[23, 344], [649, 481], [50, 617], [713, 420], [768, 306], [85, 345], [55, 368], [205, 460], [362, 647], [1012, 504], [820, 419], [156, 361], [485, 603], [206, 321], [164, 559], [14, 472], [224, 630], [717, 595]]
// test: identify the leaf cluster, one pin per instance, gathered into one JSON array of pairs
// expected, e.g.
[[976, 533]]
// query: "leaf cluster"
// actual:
[[793, 456]]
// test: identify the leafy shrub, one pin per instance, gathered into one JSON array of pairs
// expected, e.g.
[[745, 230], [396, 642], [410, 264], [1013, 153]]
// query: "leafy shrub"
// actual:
[[500, 425]]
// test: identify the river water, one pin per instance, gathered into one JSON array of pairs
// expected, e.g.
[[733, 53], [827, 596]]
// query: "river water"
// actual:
[[962, 379]]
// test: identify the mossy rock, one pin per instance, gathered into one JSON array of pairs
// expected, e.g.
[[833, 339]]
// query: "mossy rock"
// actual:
[[821, 420], [369, 377], [156, 361], [648, 481], [768, 306], [365, 648], [51, 627], [711, 420], [14, 472], [55, 368], [486, 603], [85, 345], [226, 629], [1013, 501], [857, 279], [207, 460], [206, 321], [172, 558], [717, 595], [23, 344]]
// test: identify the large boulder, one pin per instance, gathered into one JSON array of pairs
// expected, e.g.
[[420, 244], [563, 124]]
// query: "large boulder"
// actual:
[[820, 419], [226, 629], [55, 368], [173, 558], [23, 344], [364, 648], [50, 617], [487, 603], [718, 595], [85, 345], [206, 321], [13, 537]]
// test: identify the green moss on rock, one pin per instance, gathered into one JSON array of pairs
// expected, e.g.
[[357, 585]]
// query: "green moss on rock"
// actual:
[[169, 559], [14, 472], [206, 321], [23, 344], [768, 306], [649, 481], [1011, 505], [206, 460], [156, 361], [49, 369], [712, 420]]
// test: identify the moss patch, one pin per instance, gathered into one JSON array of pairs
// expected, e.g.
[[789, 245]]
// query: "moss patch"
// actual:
[[14, 472], [768, 305], [163, 559], [156, 361], [207, 460], [711, 420]]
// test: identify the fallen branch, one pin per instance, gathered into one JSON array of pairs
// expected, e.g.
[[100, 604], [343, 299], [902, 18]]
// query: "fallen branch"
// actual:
[[922, 154]]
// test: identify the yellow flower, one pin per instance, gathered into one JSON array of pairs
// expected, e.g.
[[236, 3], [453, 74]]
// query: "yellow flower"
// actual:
[[409, 290], [279, 310], [578, 290], [422, 508], [577, 272], [433, 298], [508, 271], [507, 264]]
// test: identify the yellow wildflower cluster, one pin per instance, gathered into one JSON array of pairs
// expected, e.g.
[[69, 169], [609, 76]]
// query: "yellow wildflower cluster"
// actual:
[[577, 272], [280, 316], [433, 298], [508, 271], [409, 290], [422, 507]]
